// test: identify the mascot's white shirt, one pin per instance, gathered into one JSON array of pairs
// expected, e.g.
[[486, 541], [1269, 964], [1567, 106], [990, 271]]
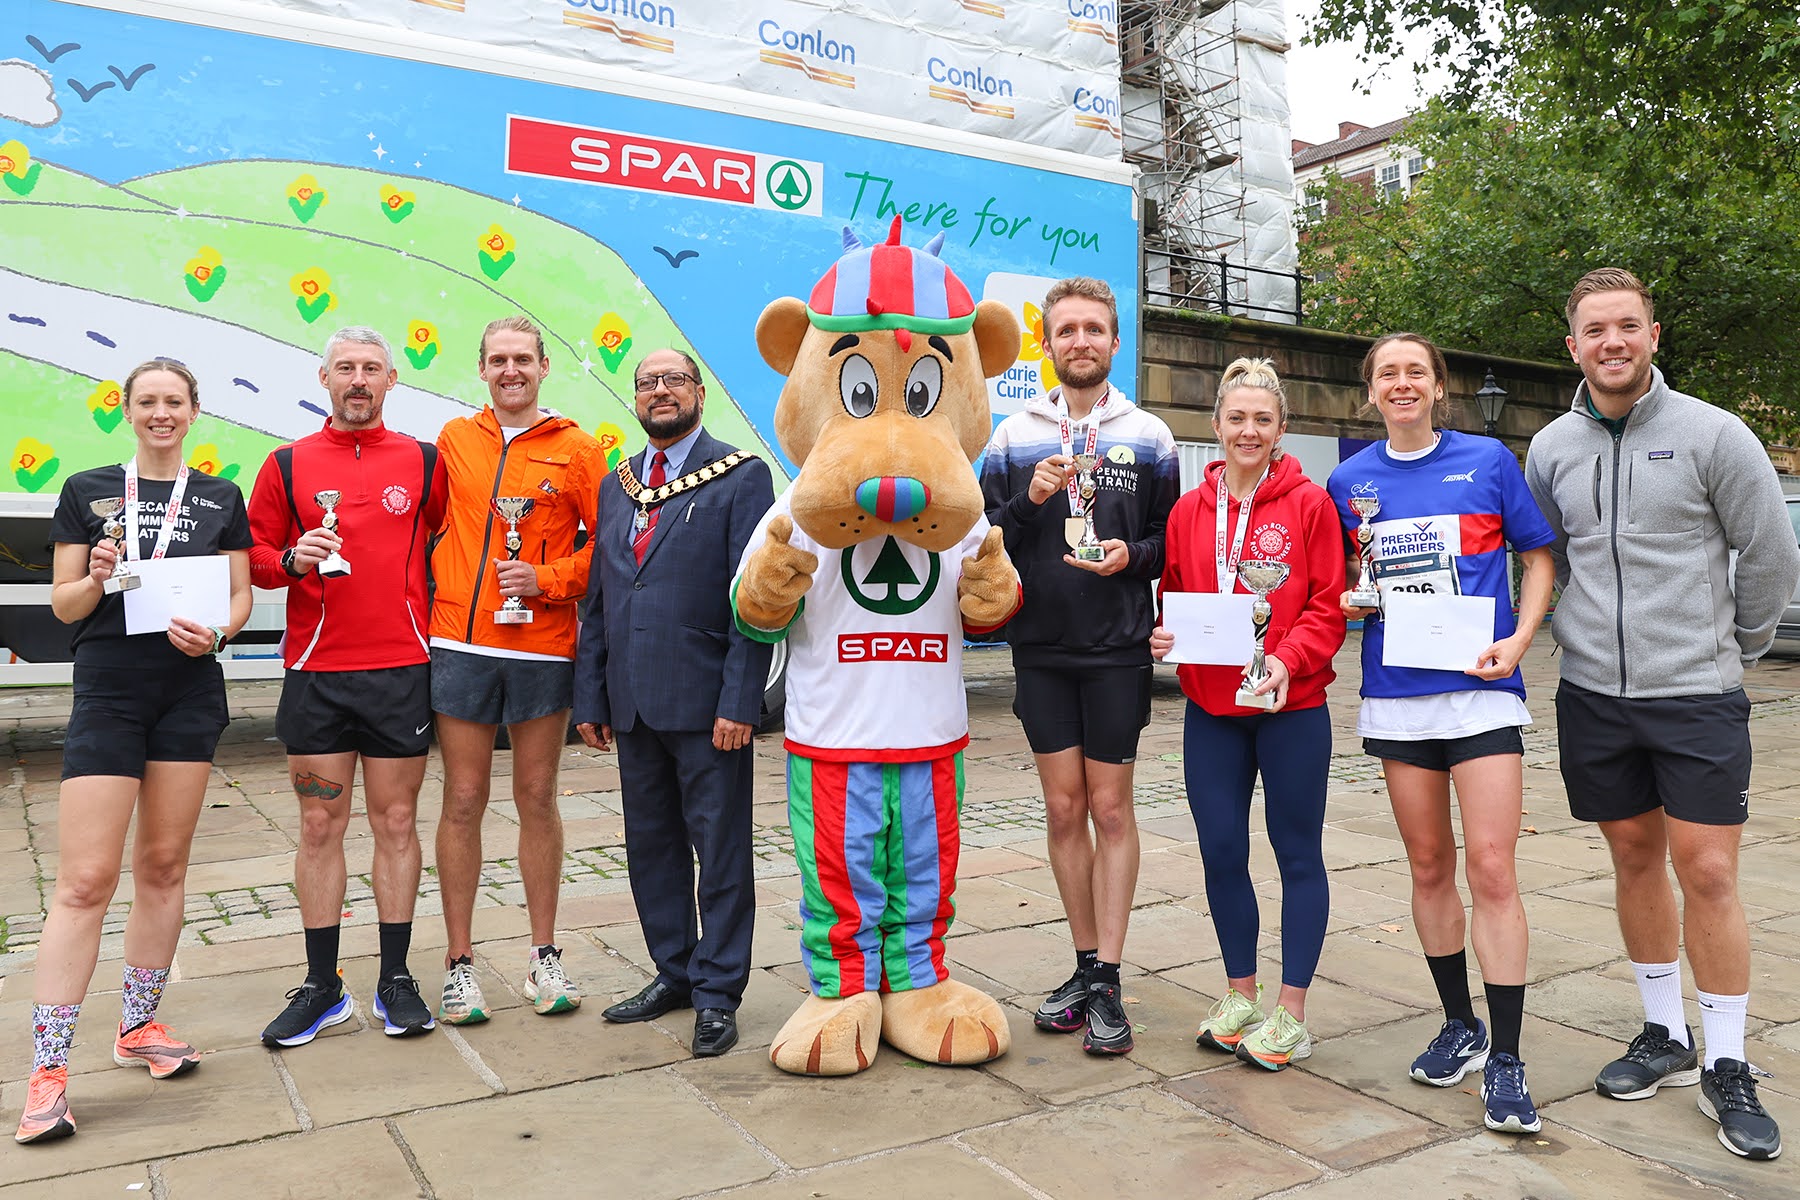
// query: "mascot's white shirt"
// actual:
[[875, 656]]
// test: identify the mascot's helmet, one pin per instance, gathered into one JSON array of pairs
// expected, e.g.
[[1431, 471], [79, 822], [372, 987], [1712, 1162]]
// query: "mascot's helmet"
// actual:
[[890, 286]]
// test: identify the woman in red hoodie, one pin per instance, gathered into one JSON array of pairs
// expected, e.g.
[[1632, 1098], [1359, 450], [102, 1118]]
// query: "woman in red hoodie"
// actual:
[[1259, 505]]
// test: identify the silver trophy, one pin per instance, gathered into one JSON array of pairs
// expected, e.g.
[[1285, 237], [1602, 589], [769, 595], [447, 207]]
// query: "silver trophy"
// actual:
[[512, 510], [1261, 577], [109, 510], [332, 565], [1365, 594], [1087, 547]]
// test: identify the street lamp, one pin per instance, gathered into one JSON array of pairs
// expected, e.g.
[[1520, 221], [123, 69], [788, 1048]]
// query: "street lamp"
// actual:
[[1490, 399]]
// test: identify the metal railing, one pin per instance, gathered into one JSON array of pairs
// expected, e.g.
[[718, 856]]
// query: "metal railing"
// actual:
[[1180, 280]]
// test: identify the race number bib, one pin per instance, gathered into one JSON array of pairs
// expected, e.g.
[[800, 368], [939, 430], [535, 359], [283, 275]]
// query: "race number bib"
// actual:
[[1432, 573]]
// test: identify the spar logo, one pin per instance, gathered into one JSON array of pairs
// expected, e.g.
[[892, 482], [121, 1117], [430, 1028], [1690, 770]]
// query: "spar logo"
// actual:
[[971, 87], [633, 22], [1101, 20], [643, 163], [791, 48], [1096, 110], [893, 647]]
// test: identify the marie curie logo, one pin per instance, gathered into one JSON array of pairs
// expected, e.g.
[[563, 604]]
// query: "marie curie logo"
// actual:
[[807, 51], [1096, 108], [638, 23], [976, 89], [1096, 20]]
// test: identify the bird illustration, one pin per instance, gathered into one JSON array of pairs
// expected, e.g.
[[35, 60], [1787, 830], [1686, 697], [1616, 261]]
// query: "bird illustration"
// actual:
[[137, 73], [51, 55], [88, 93], [676, 259]]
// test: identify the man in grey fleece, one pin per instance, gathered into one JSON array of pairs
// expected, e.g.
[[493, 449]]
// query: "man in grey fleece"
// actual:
[[1649, 491]]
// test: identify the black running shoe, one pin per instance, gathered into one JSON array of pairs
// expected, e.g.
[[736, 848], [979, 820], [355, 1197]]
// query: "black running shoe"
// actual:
[[1065, 1009], [1728, 1096], [312, 1008], [1108, 1028], [1653, 1060], [400, 1007]]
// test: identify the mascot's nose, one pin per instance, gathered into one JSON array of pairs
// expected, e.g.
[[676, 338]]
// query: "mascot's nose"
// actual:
[[892, 498]]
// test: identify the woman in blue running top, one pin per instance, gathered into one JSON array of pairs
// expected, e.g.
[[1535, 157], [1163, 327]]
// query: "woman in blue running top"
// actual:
[[1450, 505]]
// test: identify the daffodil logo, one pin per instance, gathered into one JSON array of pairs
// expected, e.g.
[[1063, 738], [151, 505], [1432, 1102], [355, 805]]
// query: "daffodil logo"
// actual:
[[612, 443], [205, 274], [312, 293], [305, 197], [612, 337], [496, 255], [421, 344], [396, 205], [104, 405], [34, 464], [17, 169], [1035, 347], [208, 459]]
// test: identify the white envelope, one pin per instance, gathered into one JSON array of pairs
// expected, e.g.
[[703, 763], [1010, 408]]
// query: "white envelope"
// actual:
[[1435, 632], [198, 588], [1209, 627]]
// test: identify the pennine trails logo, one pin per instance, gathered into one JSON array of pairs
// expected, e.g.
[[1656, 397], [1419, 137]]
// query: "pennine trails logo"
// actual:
[[1100, 20], [792, 48], [641, 162], [973, 88], [1096, 110], [633, 22]]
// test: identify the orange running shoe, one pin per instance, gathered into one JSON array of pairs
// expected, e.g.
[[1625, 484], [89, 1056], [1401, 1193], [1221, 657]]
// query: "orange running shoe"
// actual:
[[47, 1115], [153, 1045]]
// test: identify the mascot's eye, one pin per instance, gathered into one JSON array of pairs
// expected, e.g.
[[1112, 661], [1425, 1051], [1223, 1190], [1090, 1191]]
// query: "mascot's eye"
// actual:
[[923, 386], [857, 385]]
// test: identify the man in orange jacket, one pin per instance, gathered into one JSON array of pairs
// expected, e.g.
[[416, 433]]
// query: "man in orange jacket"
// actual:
[[503, 629]]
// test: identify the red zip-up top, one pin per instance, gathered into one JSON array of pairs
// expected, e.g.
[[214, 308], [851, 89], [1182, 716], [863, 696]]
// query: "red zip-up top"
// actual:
[[393, 490], [1292, 520]]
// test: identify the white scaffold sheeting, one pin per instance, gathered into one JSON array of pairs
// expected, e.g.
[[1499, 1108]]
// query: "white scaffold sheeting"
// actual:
[[1044, 72]]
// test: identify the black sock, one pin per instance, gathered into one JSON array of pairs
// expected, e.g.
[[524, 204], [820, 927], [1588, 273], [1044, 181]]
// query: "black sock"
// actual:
[[1451, 974], [322, 956], [1085, 960], [1104, 972], [1506, 1011], [396, 940]]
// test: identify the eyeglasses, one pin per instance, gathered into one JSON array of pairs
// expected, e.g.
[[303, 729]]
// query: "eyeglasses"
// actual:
[[671, 379]]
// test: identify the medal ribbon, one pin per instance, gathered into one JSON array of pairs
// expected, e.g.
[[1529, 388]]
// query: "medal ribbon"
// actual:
[[1078, 507], [171, 514], [1226, 565]]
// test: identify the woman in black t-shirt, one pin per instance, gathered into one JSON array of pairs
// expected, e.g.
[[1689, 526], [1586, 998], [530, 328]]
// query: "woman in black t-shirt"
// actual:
[[147, 715]]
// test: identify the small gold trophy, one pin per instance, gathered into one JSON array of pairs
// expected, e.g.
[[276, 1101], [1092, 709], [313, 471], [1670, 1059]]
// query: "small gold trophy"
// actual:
[[1365, 594], [1262, 578], [109, 511], [512, 510], [333, 564], [1088, 547]]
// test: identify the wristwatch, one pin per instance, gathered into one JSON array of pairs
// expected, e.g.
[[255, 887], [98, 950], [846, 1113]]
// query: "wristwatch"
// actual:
[[219, 639], [287, 563]]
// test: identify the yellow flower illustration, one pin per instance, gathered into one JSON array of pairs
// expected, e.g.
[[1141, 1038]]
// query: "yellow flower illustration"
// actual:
[[612, 337], [30, 455], [15, 159], [421, 334], [395, 199], [310, 283], [1035, 347], [496, 243], [206, 458], [202, 264], [305, 188], [106, 397]]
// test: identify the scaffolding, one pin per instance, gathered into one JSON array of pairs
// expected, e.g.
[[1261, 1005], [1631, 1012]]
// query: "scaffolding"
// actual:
[[1203, 106]]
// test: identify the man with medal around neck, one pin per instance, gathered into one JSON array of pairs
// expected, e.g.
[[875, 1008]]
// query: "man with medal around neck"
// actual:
[[1081, 650], [662, 668]]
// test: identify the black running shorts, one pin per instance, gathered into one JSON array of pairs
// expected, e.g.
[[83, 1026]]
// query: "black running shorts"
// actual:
[[123, 717], [379, 714], [1688, 755], [1099, 709], [498, 691], [1440, 754]]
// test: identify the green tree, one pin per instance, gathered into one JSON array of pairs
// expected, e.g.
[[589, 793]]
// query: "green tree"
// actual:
[[891, 568]]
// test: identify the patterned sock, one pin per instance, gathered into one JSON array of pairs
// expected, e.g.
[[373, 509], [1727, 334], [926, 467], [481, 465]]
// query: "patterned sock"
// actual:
[[143, 992], [1104, 972], [1085, 960], [1722, 1025], [1660, 986], [52, 1030]]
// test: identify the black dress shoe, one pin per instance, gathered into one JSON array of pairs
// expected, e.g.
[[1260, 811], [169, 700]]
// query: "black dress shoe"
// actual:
[[715, 1032], [655, 1000]]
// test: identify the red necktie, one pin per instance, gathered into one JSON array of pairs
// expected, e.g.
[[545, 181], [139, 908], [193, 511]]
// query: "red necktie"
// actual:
[[640, 541]]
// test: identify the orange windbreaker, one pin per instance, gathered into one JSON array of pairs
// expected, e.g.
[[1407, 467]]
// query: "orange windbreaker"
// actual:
[[559, 467]]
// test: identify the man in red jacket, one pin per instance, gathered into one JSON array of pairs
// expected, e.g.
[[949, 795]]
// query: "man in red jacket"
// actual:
[[340, 518]]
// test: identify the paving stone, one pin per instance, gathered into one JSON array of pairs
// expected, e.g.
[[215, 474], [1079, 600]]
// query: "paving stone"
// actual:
[[1389, 965], [995, 904], [1020, 960], [368, 1074], [991, 860], [1679, 1136], [108, 1184], [939, 1171], [1166, 935], [896, 1102], [1041, 1065], [342, 1163], [528, 1051], [1074, 1151]]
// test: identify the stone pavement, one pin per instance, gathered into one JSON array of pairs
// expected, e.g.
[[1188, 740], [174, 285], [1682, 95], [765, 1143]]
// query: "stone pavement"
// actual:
[[574, 1106]]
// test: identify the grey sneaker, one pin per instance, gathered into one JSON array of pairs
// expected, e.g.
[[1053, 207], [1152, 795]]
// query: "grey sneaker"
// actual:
[[462, 1002], [1653, 1060], [547, 986]]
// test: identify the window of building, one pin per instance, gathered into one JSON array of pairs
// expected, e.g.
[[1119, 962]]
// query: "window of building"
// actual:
[[1390, 178], [1415, 167]]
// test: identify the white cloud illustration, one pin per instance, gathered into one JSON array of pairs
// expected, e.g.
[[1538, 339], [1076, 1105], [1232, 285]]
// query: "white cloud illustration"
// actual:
[[27, 94]]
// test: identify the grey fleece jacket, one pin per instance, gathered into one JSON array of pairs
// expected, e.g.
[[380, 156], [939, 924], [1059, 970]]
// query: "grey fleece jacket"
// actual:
[[1644, 525]]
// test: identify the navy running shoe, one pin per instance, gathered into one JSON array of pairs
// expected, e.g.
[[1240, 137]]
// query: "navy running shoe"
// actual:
[[312, 1008], [1453, 1053], [1507, 1098], [1728, 1096], [402, 1010]]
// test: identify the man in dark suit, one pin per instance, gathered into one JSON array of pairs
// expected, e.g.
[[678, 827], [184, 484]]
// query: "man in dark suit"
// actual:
[[661, 664]]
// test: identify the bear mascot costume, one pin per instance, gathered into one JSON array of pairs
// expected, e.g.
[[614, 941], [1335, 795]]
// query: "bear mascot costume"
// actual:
[[873, 564]]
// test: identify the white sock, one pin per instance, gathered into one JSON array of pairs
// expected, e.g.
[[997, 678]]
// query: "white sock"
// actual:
[[1722, 1023], [1660, 986]]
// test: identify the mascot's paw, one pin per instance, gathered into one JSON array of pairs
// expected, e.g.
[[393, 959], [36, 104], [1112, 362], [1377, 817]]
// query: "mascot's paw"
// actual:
[[775, 577], [949, 1023], [830, 1037], [989, 590]]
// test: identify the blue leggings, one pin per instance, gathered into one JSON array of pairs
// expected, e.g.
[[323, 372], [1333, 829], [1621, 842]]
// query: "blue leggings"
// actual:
[[1222, 756]]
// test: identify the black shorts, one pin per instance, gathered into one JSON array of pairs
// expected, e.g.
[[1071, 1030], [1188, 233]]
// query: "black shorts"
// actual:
[[1101, 710], [1688, 755], [124, 717], [1440, 754], [384, 713], [498, 691]]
